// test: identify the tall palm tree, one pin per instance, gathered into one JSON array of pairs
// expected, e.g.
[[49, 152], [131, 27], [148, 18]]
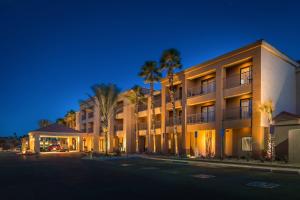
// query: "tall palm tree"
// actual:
[[151, 74], [268, 109], [44, 123], [70, 119], [136, 96], [105, 97], [61, 121], [169, 62]]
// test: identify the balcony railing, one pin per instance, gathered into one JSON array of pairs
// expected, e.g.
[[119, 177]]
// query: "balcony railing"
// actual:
[[119, 109], [237, 80], [118, 127], [90, 130], [177, 97], [178, 121], [157, 103], [142, 107], [201, 90], [199, 118], [90, 115], [143, 126], [158, 124], [83, 117], [243, 112], [83, 130]]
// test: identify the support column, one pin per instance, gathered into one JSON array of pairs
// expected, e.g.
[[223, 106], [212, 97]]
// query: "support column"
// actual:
[[163, 120], [219, 107], [36, 143]]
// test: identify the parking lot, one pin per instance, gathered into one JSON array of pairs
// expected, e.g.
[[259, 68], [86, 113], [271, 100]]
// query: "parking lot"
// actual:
[[66, 175]]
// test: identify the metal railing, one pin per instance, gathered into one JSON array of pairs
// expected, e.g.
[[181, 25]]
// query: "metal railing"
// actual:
[[118, 127], [90, 115], [243, 112], [196, 91], [119, 109], [158, 124], [83, 117], [90, 130], [178, 121], [142, 107], [177, 96], [157, 103], [199, 118], [143, 126], [237, 80]]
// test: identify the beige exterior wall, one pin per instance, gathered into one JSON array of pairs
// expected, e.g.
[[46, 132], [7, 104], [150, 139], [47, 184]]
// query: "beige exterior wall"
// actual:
[[298, 91], [278, 83]]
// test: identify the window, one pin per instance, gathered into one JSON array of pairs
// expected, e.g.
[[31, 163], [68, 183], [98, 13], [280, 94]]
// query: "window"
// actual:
[[247, 144], [208, 113], [208, 85], [245, 108], [245, 75]]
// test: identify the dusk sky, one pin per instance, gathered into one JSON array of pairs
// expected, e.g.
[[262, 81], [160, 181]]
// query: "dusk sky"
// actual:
[[51, 52]]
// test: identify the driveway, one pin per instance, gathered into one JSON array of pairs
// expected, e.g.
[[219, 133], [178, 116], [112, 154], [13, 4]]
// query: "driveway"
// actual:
[[67, 176]]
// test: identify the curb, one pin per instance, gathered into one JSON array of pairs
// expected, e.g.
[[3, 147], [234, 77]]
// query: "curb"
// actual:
[[273, 169]]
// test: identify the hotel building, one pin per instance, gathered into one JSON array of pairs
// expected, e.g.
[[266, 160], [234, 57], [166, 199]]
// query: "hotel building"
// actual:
[[217, 107]]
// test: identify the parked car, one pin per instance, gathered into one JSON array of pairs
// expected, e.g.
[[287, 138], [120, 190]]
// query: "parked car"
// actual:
[[54, 147]]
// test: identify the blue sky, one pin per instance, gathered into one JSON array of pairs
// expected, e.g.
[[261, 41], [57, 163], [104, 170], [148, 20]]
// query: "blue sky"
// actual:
[[51, 52]]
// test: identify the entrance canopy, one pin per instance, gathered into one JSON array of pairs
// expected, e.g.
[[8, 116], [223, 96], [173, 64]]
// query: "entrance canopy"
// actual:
[[71, 138]]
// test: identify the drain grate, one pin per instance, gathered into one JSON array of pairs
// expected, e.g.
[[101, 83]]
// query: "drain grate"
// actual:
[[126, 165], [261, 184], [149, 168], [204, 176]]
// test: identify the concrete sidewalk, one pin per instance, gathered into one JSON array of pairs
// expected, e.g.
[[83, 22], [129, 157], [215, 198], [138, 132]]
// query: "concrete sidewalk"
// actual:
[[259, 167]]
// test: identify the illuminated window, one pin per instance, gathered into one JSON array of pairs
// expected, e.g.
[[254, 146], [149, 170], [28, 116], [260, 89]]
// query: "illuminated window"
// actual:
[[208, 85], [247, 144], [246, 75], [169, 144], [245, 108], [208, 113]]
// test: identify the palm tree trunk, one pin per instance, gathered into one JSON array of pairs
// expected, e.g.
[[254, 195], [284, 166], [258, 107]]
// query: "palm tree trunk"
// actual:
[[106, 142], [136, 129], [172, 97], [153, 115]]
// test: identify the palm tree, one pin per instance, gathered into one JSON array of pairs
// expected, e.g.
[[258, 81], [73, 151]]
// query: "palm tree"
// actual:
[[136, 96], [170, 61], [105, 97], [268, 109], [151, 74], [44, 123], [70, 119], [61, 121]]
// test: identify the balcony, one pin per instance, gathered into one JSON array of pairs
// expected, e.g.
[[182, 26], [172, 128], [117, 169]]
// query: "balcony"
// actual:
[[177, 96], [142, 107], [178, 121], [237, 117], [198, 91], [90, 115], [90, 130], [158, 124], [200, 118], [118, 127], [83, 130], [119, 109], [143, 126], [157, 103], [237, 84], [83, 117]]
